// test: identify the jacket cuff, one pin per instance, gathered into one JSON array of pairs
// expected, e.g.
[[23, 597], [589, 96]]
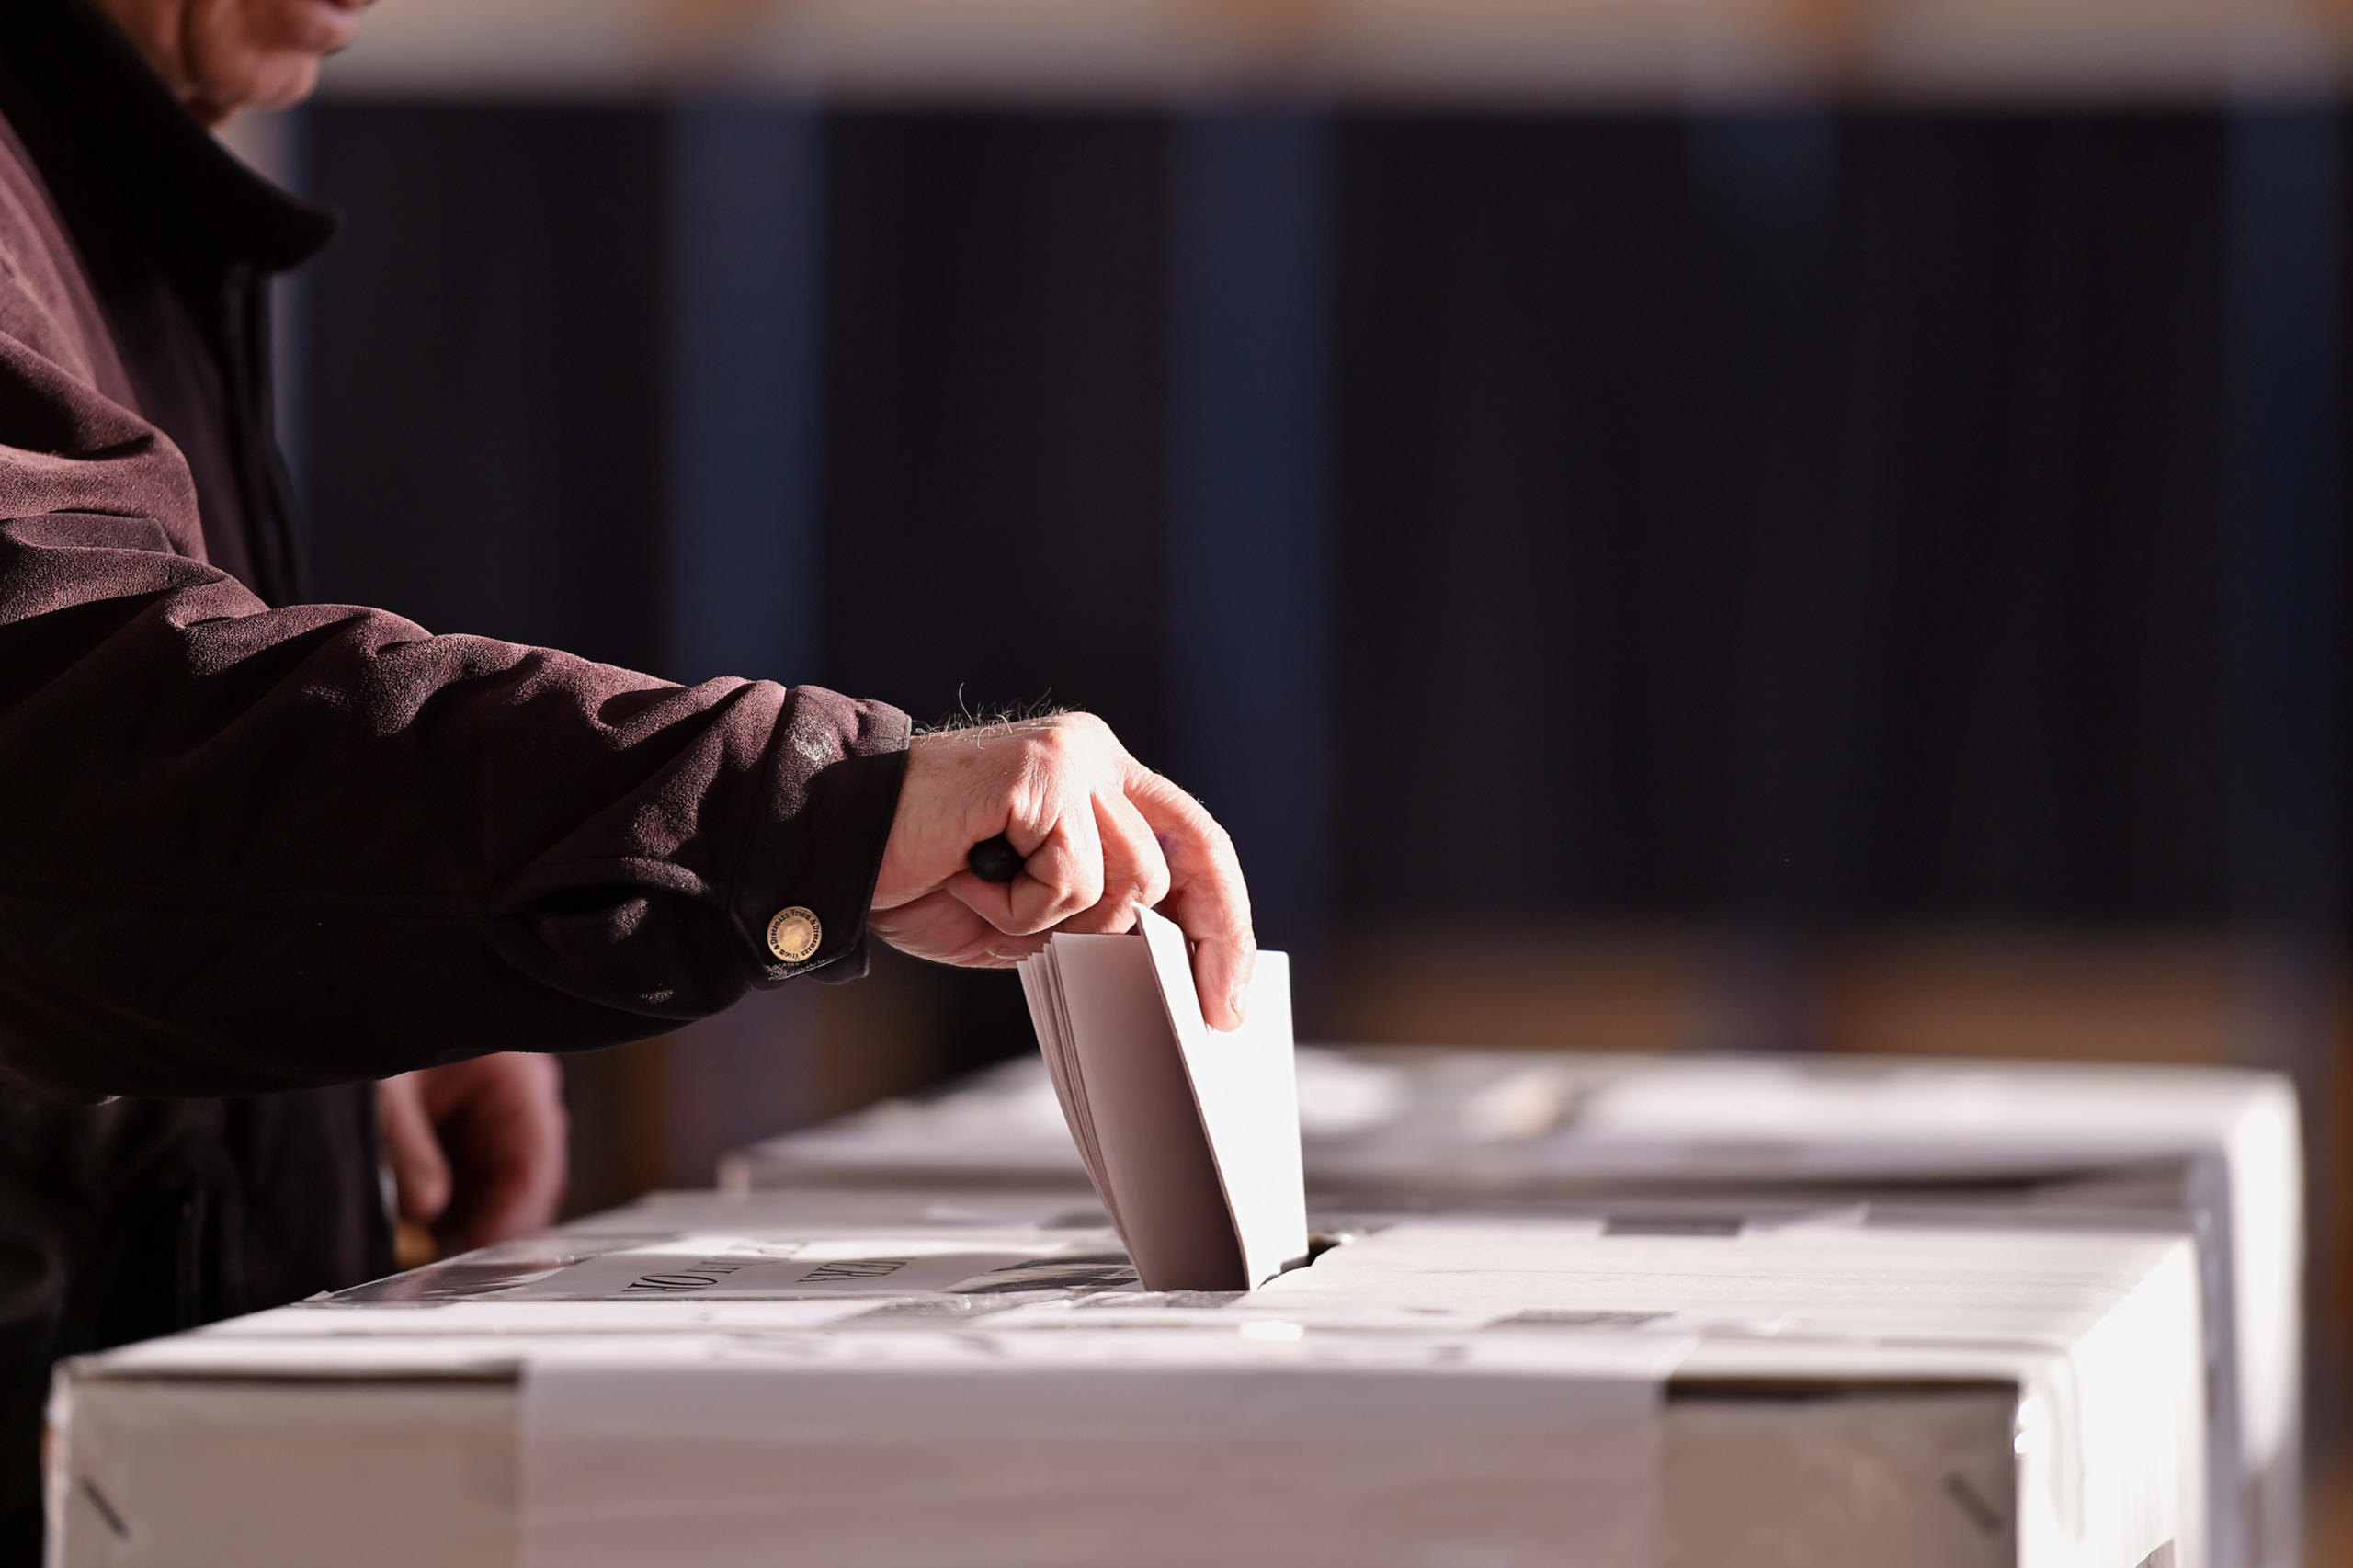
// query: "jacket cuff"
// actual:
[[805, 877]]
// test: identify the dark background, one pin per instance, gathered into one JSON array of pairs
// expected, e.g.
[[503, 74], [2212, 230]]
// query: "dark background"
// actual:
[[1807, 519]]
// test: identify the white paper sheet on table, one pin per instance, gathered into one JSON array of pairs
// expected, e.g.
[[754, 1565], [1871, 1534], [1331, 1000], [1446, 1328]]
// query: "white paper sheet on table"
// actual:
[[711, 1267]]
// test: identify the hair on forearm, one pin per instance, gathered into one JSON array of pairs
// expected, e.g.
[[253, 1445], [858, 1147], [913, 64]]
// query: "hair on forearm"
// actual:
[[1002, 716]]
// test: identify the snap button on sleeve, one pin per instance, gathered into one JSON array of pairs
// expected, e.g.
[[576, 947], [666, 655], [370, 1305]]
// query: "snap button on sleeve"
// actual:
[[793, 934]]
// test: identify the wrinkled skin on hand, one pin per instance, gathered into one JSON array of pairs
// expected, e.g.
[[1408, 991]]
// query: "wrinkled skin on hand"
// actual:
[[1101, 834]]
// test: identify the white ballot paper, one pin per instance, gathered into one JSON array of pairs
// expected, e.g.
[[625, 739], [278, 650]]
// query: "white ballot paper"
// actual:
[[1190, 1136]]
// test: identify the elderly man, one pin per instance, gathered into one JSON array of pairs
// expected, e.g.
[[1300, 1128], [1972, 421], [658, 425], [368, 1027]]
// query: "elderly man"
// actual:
[[273, 852]]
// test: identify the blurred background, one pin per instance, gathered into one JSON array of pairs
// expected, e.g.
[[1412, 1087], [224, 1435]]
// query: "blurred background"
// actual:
[[1766, 525]]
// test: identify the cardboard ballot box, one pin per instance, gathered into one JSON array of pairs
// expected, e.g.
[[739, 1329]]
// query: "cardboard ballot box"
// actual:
[[784, 1380], [2211, 1154]]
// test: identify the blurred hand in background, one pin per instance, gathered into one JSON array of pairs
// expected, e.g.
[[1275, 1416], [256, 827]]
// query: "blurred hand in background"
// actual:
[[476, 1148]]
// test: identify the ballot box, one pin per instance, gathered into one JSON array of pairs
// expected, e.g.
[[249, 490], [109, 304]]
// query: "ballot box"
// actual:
[[781, 1379], [2211, 1154]]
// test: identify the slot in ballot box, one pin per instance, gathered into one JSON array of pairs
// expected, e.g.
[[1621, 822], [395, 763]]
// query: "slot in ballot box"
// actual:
[[2211, 1154], [765, 1381]]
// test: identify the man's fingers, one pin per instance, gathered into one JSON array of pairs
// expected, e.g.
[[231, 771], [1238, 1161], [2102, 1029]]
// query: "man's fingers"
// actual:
[[500, 1119], [1223, 969], [1208, 899], [1135, 872], [1061, 876], [514, 1201], [942, 928], [1134, 866], [412, 1150]]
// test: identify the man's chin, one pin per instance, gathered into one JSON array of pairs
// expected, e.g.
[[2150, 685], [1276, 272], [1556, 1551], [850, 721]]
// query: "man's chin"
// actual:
[[281, 86], [317, 29]]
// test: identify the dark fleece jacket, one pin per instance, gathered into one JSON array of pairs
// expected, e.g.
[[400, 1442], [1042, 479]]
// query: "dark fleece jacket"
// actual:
[[251, 848]]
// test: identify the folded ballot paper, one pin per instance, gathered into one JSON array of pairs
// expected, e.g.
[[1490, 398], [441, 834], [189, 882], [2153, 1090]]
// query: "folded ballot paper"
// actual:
[[1190, 1136], [2211, 1154], [752, 1381]]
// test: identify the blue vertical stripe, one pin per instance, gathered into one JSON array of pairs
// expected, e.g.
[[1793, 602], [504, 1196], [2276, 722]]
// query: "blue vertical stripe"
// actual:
[[1249, 632], [2284, 209], [2284, 200], [746, 302], [747, 549]]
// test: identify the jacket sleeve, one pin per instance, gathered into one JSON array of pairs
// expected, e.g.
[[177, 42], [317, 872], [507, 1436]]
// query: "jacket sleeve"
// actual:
[[244, 848]]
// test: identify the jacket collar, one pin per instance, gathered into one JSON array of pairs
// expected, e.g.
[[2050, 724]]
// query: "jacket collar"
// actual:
[[203, 211]]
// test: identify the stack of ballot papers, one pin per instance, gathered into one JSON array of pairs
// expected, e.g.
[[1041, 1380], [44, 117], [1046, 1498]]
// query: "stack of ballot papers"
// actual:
[[2209, 1154], [1190, 1136], [782, 1379]]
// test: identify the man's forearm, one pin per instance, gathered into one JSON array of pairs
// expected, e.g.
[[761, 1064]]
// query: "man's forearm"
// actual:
[[254, 849]]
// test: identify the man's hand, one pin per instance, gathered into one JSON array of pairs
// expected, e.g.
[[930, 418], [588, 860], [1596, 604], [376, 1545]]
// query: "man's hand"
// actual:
[[1100, 836], [477, 1148]]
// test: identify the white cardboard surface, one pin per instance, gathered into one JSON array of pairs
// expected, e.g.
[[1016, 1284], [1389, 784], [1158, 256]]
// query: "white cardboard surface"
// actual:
[[1472, 1125], [1073, 1450], [1436, 1390], [2101, 1331]]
